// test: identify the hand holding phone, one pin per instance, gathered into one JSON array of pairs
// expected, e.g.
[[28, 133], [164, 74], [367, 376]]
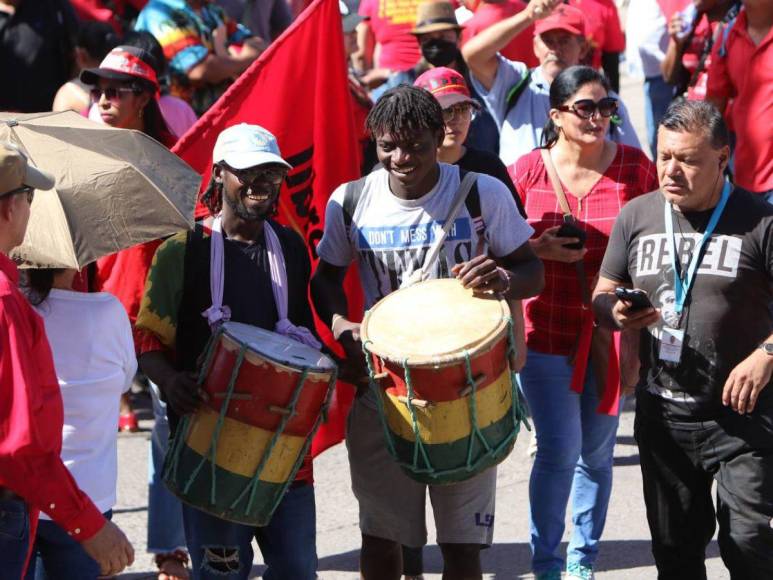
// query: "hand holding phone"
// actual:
[[638, 299], [570, 230]]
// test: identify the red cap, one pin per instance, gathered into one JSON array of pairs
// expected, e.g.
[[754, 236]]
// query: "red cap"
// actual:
[[446, 85], [564, 17], [122, 63]]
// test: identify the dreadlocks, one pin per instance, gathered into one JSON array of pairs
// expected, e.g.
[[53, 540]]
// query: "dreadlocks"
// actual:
[[404, 110], [212, 197]]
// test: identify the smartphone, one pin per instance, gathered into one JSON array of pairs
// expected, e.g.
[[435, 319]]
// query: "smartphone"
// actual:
[[637, 298], [570, 230]]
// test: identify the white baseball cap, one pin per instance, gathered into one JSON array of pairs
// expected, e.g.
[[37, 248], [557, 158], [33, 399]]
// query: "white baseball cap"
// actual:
[[242, 146]]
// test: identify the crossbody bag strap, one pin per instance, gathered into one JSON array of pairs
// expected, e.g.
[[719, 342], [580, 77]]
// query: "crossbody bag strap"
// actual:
[[568, 217], [556, 183]]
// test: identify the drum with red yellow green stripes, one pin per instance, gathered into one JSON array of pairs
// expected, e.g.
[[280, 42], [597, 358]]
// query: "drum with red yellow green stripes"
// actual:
[[439, 359], [267, 394]]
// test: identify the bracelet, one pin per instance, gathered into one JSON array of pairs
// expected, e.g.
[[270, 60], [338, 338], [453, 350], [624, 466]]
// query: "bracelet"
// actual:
[[505, 276]]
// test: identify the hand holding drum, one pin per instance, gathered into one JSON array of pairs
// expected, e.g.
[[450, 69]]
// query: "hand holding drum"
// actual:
[[481, 274]]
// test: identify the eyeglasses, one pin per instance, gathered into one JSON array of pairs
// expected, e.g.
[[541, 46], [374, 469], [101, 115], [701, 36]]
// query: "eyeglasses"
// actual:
[[460, 111], [30, 191], [587, 108], [249, 177], [111, 93]]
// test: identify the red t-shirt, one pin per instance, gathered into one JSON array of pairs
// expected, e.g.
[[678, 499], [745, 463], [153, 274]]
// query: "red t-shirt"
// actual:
[[745, 74], [602, 27], [521, 48], [391, 22], [554, 318]]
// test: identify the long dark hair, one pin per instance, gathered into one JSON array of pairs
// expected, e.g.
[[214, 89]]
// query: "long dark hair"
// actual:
[[39, 282], [563, 88]]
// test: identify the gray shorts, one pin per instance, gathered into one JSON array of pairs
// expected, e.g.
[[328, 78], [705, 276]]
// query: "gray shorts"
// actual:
[[392, 505]]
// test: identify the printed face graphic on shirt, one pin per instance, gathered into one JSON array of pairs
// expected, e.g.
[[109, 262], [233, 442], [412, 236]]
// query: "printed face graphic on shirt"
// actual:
[[393, 252]]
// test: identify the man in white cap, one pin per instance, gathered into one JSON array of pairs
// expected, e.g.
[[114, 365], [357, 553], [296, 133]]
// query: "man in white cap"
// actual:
[[32, 475], [181, 309]]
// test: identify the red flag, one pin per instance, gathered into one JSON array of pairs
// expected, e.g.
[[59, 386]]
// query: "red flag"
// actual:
[[298, 89]]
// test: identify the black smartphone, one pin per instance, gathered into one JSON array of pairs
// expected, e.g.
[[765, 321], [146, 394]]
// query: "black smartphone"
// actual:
[[570, 230], [637, 298]]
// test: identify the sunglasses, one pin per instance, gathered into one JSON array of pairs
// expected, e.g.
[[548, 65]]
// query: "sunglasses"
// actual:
[[250, 177], [30, 191], [587, 108], [460, 111], [111, 93]]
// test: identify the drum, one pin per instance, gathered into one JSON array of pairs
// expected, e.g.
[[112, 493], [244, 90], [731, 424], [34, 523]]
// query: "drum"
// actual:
[[237, 454], [439, 362]]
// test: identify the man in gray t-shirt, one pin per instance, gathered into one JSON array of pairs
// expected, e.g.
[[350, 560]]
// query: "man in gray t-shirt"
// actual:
[[398, 214], [559, 43], [702, 250]]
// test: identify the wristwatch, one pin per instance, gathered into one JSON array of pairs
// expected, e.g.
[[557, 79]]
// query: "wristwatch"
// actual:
[[767, 347]]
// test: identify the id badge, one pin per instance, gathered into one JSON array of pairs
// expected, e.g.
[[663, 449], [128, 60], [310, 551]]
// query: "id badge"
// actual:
[[671, 342]]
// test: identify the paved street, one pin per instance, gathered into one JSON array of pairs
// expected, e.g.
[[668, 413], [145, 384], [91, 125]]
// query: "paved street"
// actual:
[[625, 552]]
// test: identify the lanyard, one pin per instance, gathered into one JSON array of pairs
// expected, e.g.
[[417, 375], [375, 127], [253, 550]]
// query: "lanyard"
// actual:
[[682, 288]]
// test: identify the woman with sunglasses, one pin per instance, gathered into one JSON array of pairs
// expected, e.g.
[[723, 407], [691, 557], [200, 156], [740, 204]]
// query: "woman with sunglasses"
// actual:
[[575, 431], [125, 93]]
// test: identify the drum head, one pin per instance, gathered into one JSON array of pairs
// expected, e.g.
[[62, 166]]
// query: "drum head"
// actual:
[[277, 347], [433, 322]]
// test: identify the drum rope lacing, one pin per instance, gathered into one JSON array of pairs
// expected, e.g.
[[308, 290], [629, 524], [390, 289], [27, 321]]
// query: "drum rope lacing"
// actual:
[[212, 451], [419, 451]]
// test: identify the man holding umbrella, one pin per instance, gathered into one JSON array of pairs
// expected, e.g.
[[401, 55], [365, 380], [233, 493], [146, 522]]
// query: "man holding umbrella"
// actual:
[[32, 475], [180, 310]]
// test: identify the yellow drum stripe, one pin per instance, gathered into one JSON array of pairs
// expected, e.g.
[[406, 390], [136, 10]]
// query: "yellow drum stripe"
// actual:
[[240, 446], [449, 421]]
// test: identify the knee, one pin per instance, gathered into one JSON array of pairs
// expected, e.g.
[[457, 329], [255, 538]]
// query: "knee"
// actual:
[[380, 559], [223, 560], [461, 561], [558, 452]]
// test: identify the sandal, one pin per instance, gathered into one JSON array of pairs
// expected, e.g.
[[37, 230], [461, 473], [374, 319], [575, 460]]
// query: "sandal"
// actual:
[[173, 565]]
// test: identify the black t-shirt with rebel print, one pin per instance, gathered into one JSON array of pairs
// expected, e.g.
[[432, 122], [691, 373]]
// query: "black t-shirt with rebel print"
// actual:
[[727, 313]]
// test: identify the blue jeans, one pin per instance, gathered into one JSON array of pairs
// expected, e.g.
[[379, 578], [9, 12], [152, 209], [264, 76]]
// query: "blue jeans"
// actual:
[[574, 457], [14, 537], [221, 549], [56, 556], [165, 516], [658, 94]]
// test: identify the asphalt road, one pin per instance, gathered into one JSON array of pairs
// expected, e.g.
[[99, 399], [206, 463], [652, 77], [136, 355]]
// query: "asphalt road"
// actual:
[[625, 551]]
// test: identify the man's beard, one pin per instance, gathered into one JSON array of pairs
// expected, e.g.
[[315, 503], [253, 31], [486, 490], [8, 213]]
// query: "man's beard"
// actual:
[[240, 210]]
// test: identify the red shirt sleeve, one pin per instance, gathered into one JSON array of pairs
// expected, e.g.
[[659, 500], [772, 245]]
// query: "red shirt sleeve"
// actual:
[[31, 418]]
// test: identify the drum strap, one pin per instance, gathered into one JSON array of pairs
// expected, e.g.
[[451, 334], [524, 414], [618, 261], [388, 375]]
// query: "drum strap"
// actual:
[[431, 257], [219, 313]]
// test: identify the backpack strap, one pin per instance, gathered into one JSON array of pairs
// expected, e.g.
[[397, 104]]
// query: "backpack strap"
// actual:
[[352, 196], [516, 91]]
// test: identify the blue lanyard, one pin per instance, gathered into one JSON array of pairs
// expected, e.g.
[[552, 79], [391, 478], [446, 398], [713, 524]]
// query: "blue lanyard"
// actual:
[[682, 287]]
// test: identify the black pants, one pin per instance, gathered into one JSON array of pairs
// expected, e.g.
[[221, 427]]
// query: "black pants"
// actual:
[[678, 463]]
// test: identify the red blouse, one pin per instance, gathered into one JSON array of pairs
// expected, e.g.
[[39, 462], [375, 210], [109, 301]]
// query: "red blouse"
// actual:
[[553, 319]]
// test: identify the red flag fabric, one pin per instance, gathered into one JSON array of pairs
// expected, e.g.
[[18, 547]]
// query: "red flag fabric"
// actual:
[[298, 89]]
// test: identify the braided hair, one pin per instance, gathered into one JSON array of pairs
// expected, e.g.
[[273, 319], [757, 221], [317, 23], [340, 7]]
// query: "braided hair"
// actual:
[[212, 198], [405, 110]]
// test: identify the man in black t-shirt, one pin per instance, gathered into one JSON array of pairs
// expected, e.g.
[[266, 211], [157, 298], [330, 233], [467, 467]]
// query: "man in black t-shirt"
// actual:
[[229, 272], [704, 406]]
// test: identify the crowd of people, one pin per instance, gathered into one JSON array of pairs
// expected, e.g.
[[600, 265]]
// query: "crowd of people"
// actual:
[[628, 267]]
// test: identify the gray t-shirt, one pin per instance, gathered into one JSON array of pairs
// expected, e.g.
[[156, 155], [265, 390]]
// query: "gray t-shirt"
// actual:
[[389, 237], [727, 314]]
